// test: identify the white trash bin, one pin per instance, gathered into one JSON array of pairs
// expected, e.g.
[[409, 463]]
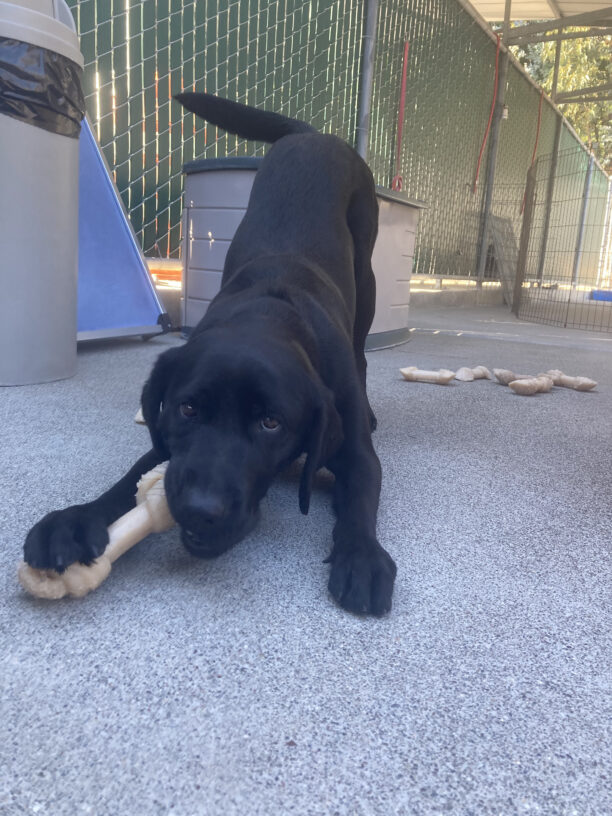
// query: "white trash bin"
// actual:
[[39, 183]]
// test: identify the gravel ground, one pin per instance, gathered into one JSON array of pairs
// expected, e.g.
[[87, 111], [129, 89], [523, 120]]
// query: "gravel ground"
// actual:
[[238, 687]]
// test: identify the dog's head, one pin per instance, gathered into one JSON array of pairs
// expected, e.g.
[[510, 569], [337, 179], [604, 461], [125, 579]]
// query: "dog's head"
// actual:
[[230, 414]]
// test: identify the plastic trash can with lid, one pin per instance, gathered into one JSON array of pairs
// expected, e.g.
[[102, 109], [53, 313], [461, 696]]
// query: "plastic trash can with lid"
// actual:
[[41, 108]]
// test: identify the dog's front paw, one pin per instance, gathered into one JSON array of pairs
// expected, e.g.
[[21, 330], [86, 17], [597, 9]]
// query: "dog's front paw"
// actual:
[[362, 578], [77, 533]]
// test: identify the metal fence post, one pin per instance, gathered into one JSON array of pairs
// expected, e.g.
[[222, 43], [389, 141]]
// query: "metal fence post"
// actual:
[[549, 197], [581, 226], [367, 78], [606, 243], [498, 115], [521, 264]]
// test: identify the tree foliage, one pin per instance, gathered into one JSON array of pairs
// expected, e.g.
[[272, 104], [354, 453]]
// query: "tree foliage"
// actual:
[[584, 63]]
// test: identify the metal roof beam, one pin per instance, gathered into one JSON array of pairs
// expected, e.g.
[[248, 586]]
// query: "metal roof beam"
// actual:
[[585, 100], [555, 82], [563, 35], [555, 7], [580, 93], [604, 98], [598, 17]]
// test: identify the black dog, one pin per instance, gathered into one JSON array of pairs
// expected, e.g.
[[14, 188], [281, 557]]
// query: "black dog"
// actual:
[[276, 368]]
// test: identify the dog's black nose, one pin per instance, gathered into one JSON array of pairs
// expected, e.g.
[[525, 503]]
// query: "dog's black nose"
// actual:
[[205, 507]]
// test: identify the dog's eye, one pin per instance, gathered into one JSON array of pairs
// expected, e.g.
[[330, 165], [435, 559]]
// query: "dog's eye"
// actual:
[[270, 424], [188, 410]]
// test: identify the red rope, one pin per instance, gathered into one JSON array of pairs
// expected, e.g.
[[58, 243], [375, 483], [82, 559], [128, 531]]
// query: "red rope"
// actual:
[[535, 147], [486, 136], [398, 181]]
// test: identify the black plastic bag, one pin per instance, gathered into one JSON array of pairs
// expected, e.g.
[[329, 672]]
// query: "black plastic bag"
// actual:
[[41, 87]]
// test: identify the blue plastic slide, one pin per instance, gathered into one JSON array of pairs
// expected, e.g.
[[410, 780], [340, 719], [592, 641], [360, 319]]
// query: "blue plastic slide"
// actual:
[[116, 295]]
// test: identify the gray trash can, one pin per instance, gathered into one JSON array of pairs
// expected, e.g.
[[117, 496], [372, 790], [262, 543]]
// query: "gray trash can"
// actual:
[[216, 196], [41, 107], [392, 261]]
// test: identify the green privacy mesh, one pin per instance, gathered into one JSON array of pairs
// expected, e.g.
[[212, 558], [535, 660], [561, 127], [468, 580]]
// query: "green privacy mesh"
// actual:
[[304, 59], [299, 58]]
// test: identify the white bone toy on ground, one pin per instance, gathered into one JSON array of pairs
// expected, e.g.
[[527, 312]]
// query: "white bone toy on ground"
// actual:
[[522, 384], [469, 374], [577, 383], [505, 377], [528, 386], [558, 378], [151, 515], [414, 374]]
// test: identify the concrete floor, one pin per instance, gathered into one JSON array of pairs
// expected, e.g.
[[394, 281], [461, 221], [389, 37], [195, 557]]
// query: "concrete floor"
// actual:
[[237, 686]]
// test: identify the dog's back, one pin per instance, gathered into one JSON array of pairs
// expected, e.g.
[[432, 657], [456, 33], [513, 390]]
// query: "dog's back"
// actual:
[[311, 193]]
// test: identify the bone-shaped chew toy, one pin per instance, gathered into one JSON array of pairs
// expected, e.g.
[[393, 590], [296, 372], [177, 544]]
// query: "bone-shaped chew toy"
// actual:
[[151, 515], [505, 377], [528, 386], [577, 383], [558, 378], [414, 374], [469, 374]]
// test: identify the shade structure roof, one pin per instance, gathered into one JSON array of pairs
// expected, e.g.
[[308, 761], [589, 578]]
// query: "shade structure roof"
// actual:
[[493, 10]]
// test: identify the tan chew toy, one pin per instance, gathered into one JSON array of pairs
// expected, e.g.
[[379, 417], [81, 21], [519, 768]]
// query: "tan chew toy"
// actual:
[[531, 385], [505, 377], [470, 374], [151, 515], [577, 383], [414, 374]]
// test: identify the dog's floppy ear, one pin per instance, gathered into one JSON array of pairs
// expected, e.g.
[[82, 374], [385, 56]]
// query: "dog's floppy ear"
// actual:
[[324, 439], [153, 396]]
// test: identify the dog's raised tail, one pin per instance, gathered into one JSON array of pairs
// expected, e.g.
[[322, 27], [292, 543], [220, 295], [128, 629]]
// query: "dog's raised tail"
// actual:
[[242, 120]]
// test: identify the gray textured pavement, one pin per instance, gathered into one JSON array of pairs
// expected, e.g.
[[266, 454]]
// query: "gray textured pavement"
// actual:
[[238, 687]]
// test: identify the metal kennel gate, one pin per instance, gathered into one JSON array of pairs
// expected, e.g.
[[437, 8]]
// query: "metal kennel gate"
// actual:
[[564, 264]]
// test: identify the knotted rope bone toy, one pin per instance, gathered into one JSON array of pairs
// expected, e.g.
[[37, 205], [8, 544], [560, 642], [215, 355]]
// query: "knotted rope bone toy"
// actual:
[[151, 515]]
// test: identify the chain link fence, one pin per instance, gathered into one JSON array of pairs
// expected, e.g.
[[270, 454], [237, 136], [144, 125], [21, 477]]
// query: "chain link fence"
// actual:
[[450, 74], [304, 59], [301, 58], [565, 274]]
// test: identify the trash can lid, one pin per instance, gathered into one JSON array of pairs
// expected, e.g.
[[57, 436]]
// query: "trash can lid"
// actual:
[[45, 23], [400, 198], [223, 163]]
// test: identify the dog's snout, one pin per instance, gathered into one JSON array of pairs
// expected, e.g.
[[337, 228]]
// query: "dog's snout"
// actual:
[[205, 507]]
